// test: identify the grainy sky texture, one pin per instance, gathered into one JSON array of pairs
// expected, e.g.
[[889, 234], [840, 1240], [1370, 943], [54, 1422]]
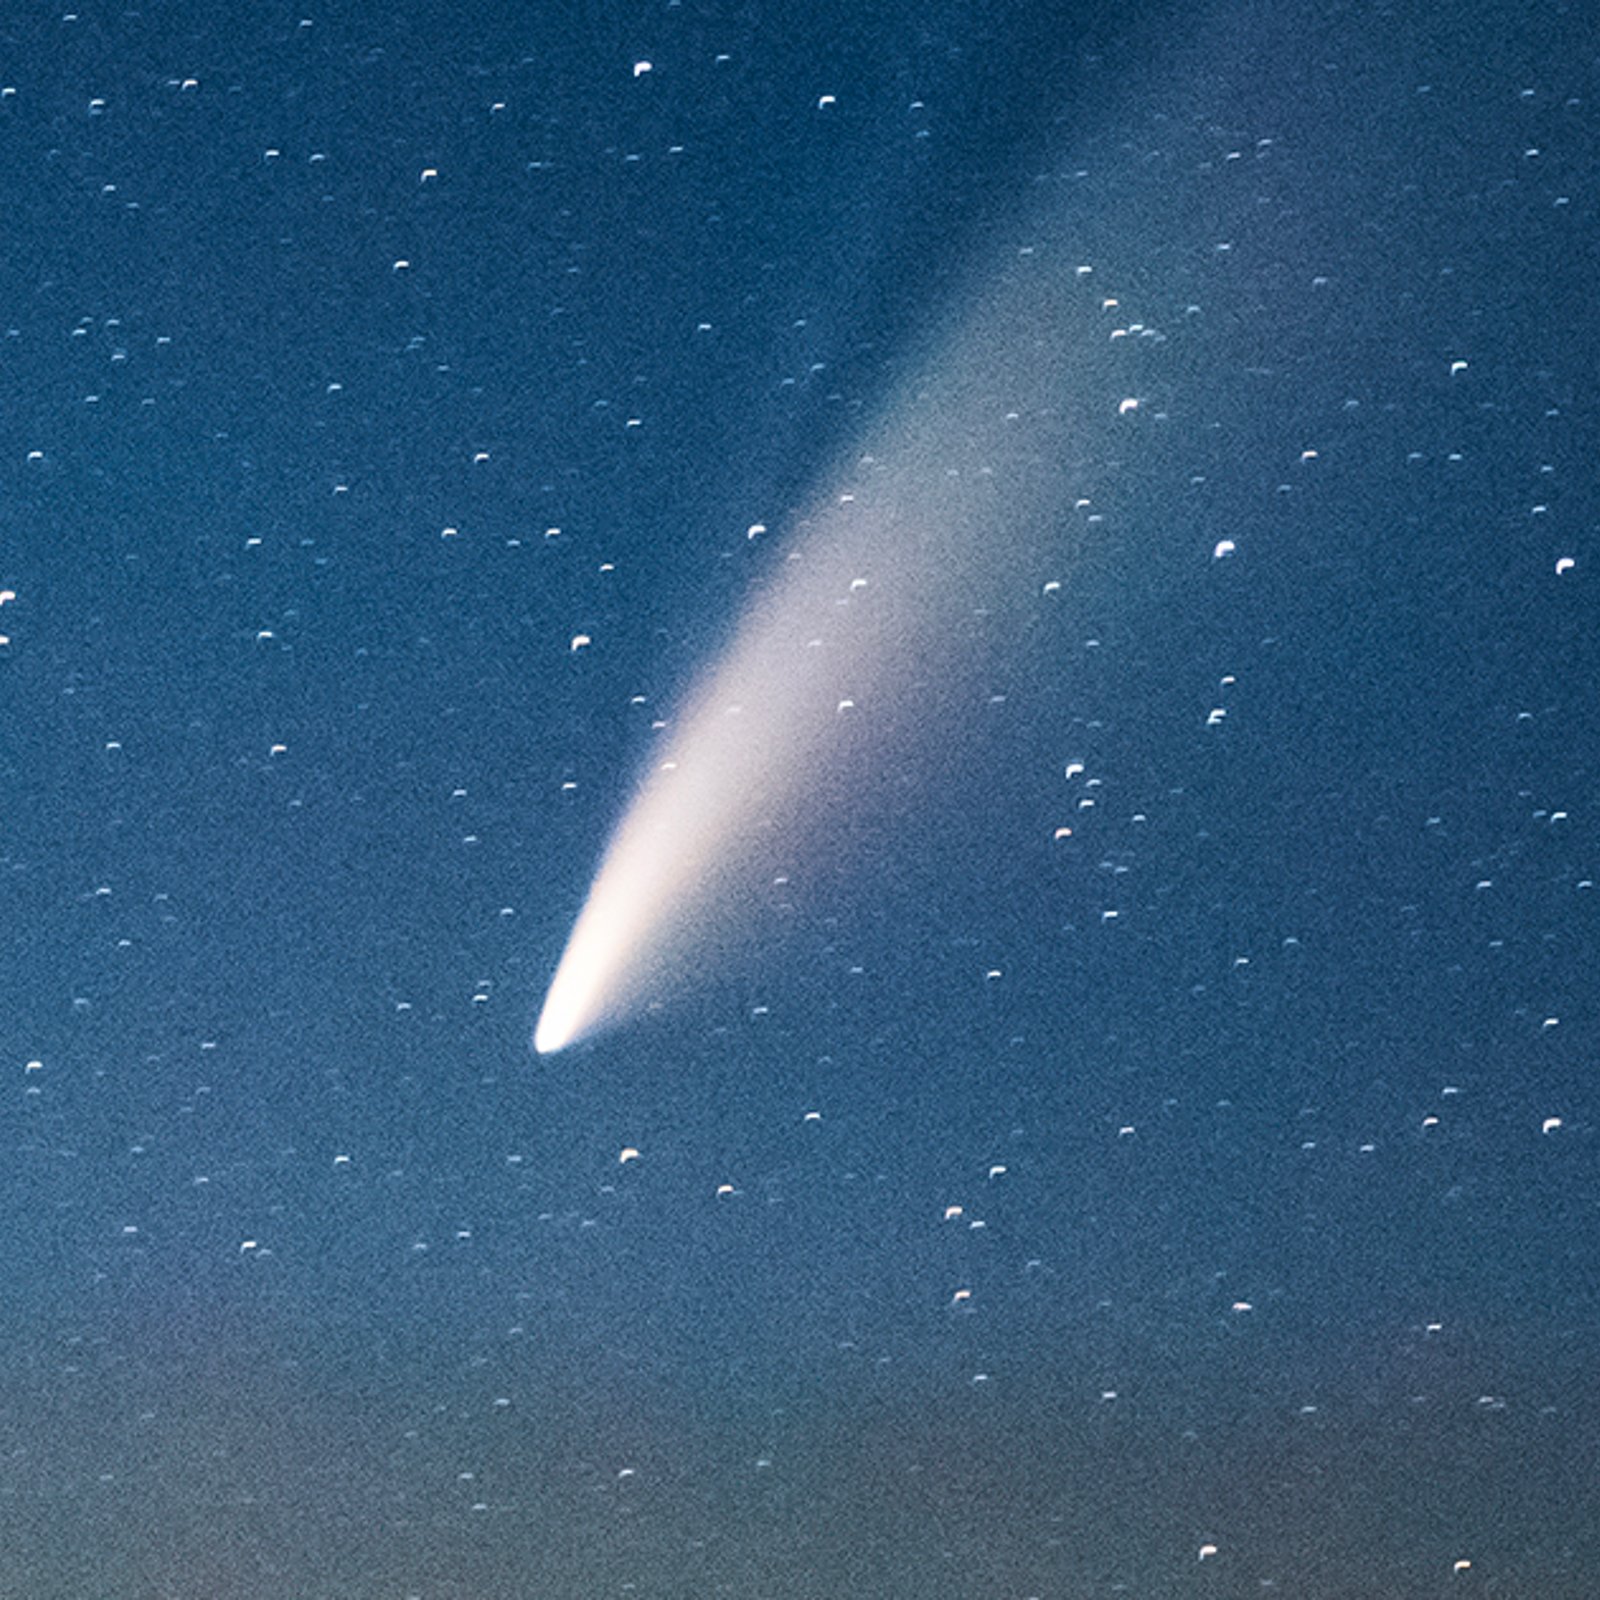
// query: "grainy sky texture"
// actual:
[[1117, 1118]]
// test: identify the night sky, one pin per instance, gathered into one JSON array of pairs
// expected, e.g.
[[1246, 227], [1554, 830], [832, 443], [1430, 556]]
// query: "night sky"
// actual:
[[1128, 1126]]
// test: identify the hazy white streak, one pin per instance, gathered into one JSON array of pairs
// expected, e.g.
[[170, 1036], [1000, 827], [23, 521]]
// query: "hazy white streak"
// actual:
[[928, 526]]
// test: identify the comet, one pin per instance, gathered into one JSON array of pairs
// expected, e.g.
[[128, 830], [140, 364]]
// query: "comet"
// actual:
[[944, 509]]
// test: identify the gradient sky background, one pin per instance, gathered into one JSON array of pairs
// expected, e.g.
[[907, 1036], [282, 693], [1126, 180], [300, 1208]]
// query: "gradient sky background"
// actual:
[[357, 360]]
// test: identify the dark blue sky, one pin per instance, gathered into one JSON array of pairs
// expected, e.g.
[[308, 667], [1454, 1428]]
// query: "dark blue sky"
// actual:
[[352, 365]]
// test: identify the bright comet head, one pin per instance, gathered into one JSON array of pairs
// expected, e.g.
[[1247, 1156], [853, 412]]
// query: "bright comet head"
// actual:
[[562, 1015]]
